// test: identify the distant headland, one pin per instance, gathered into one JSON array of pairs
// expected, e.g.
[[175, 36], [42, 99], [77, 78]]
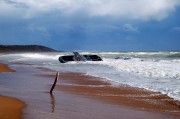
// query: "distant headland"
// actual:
[[25, 48]]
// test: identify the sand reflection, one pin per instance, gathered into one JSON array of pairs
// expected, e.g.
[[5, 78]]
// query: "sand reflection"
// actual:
[[52, 103]]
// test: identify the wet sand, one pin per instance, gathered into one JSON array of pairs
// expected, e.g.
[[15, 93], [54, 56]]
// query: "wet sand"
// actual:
[[80, 96], [10, 108], [122, 95]]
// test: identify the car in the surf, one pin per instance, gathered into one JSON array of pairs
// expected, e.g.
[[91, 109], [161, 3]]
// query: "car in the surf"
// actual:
[[78, 57]]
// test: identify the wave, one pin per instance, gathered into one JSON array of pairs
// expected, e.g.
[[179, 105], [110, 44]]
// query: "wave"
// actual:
[[143, 70], [174, 55], [148, 68]]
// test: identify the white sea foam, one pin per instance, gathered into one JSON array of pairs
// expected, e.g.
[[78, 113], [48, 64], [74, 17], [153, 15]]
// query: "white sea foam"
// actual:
[[156, 71], [148, 68], [39, 56]]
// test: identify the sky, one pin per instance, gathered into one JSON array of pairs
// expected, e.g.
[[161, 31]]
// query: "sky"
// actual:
[[92, 25]]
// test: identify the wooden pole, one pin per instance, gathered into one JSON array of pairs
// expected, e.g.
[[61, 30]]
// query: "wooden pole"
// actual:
[[52, 102], [55, 81]]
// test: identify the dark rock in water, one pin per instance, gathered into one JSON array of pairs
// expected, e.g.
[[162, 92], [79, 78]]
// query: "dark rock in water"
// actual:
[[123, 58], [119, 58], [127, 58], [25, 48]]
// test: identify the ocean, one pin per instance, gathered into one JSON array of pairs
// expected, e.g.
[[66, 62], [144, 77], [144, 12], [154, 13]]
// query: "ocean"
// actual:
[[155, 71]]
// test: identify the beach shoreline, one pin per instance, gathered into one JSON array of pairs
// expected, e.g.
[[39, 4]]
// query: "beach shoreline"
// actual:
[[122, 95], [78, 95], [10, 108]]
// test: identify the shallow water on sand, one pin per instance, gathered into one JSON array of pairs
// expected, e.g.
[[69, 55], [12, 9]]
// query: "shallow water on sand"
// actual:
[[155, 71], [29, 85]]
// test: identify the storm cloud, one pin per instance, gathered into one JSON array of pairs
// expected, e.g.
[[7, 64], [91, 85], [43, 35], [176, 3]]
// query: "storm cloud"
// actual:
[[125, 9], [111, 25]]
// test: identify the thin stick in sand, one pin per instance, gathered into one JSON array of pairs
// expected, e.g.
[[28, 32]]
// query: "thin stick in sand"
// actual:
[[55, 81]]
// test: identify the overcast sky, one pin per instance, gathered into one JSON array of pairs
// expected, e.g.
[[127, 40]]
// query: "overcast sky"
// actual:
[[92, 25]]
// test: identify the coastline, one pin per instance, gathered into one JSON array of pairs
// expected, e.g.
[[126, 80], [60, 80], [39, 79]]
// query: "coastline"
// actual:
[[122, 95], [10, 108], [77, 96]]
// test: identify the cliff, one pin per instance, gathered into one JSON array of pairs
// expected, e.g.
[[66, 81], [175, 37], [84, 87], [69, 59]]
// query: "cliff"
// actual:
[[25, 48]]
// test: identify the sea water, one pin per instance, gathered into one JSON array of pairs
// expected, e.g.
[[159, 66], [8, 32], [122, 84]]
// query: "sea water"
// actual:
[[155, 71]]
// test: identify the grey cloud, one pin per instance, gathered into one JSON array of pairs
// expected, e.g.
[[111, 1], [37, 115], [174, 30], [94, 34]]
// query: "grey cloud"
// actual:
[[129, 9]]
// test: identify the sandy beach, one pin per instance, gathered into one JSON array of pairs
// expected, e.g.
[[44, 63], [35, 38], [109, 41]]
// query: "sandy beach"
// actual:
[[80, 96], [10, 108], [5, 68], [115, 59], [119, 95]]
